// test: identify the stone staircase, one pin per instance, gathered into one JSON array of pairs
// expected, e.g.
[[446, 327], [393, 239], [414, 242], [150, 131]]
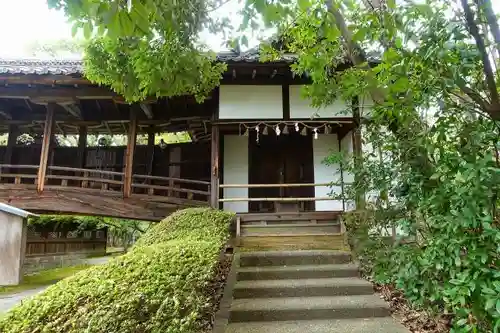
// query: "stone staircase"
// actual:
[[304, 292]]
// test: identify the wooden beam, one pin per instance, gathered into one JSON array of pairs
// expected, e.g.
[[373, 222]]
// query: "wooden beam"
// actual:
[[285, 95], [106, 124], [27, 102], [82, 146], [73, 110], [60, 129], [129, 153], [47, 139], [148, 111], [214, 178], [53, 94]]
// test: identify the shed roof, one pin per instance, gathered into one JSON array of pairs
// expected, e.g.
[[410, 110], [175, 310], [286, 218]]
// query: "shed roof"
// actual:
[[14, 211]]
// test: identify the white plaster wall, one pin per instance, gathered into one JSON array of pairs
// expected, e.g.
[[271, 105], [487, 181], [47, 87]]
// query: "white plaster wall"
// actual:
[[347, 146], [12, 248], [301, 108], [235, 171], [323, 146], [250, 102], [366, 106]]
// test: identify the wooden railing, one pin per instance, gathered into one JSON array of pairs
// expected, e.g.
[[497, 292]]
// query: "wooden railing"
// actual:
[[9, 174], [190, 189], [278, 199], [84, 178], [104, 180]]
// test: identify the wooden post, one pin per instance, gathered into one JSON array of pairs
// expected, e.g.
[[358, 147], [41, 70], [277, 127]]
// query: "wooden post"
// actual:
[[150, 152], [214, 179], [358, 156], [129, 153], [174, 169], [82, 146], [47, 139], [11, 142]]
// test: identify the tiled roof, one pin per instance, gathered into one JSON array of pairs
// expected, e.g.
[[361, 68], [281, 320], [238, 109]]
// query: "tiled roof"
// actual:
[[75, 66], [40, 67]]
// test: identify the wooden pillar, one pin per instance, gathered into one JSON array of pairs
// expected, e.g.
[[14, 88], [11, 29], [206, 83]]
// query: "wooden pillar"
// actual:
[[358, 155], [214, 179], [82, 146], [174, 168], [151, 151], [129, 153], [47, 139], [11, 142]]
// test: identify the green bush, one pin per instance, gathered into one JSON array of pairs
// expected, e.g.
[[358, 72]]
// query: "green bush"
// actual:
[[194, 223], [159, 286]]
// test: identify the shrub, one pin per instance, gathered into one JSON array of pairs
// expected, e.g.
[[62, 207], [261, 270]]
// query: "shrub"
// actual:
[[159, 286], [194, 223]]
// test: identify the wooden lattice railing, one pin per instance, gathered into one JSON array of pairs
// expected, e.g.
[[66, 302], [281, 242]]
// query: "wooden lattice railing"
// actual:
[[104, 180]]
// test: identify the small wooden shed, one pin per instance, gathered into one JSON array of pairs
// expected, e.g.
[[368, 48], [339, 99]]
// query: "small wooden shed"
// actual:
[[13, 227]]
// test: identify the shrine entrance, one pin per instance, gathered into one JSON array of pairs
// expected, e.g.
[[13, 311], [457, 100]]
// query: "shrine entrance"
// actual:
[[284, 159]]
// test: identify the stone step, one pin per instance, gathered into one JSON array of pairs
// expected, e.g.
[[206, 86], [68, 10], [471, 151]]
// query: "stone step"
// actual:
[[307, 308], [302, 288], [293, 258], [297, 272], [290, 229], [362, 325]]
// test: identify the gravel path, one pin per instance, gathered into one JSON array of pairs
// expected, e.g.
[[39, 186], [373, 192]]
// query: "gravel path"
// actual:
[[9, 301]]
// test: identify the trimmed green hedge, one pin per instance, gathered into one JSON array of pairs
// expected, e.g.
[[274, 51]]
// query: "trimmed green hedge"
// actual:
[[159, 286], [71, 222]]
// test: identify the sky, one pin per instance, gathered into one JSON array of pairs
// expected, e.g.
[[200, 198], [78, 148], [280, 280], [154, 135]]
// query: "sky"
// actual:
[[27, 21]]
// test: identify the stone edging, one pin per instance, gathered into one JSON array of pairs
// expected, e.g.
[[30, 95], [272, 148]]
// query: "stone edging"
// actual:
[[222, 315]]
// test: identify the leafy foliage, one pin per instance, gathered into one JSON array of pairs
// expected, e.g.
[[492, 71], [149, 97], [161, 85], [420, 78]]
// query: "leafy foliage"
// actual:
[[193, 223], [66, 222], [147, 49], [159, 286]]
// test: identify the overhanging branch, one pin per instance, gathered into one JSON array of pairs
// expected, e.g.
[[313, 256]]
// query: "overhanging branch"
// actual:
[[488, 70]]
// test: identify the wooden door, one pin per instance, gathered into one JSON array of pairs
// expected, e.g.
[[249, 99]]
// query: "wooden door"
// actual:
[[286, 159]]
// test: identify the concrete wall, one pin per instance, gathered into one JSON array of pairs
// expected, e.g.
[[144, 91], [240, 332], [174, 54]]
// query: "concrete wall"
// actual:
[[250, 102], [235, 171], [12, 248]]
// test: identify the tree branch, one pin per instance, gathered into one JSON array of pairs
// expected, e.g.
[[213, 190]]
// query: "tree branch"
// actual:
[[488, 70], [492, 22], [474, 95], [355, 53]]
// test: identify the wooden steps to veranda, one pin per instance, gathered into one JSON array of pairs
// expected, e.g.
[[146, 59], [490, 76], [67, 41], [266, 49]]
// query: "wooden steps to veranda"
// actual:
[[290, 231]]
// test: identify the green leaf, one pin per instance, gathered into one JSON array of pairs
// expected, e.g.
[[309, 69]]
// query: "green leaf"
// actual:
[[489, 304], [87, 29], [74, 29], [489, 291], [304, 5], [435, 176]]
